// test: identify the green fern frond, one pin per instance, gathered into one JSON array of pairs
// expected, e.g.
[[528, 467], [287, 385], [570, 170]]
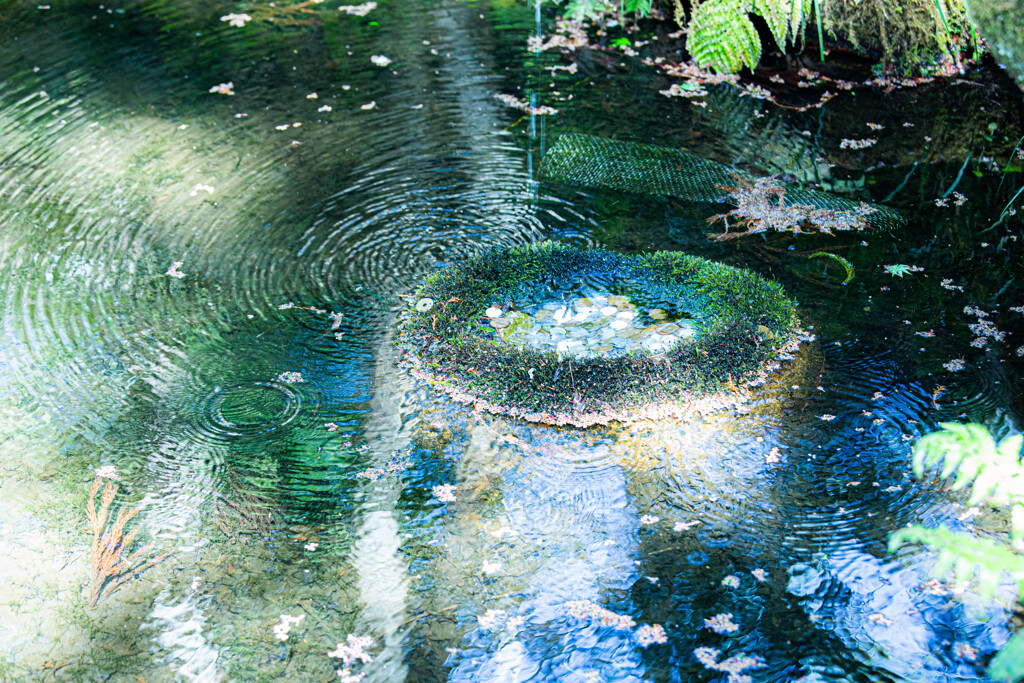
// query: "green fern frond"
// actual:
[[722, 37], [785, 18], [966, 555], [1008, 665], [776, 14], [994, 471]]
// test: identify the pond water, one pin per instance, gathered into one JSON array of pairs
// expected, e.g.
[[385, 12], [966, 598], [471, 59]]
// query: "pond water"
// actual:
[[207, 232], [601, 324]]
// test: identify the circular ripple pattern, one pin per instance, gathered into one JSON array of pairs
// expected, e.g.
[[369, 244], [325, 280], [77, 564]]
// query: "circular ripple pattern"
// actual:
[[249, 410]]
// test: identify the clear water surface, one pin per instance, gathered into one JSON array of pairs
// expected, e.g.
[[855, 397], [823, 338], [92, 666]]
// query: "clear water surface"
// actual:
[[254, 414]]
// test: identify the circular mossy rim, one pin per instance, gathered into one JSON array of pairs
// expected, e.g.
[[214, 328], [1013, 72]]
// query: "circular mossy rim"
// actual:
[[747, 326]]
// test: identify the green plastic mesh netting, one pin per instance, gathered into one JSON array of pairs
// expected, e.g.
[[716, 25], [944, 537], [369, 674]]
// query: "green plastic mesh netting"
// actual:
[[593, 161]]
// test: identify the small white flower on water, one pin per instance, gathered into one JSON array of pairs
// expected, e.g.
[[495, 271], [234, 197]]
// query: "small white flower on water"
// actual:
[[493, 312], [721, 623], [955, 365], [200, 187], [354, 650], [310, 546], [173, 270], [282, 629], [291, 377], [826, 417], [965, 652], [312, 96], [369, 105], [879, 618], [224, 88], [685, 526], [444, 493], [380, 60], [358, 10], [345, 675], [647, 520], [331, 426], [283, 126], [236, 19], [731, 581], [108, 472], [194, 586], [651, 634], [424, 304], [325, 107], [759, 574], [856, 144], [490, 568], [774, 456], [183, 126]]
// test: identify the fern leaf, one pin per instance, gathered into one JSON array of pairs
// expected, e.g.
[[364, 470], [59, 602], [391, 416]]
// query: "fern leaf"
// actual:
[[798, 13], [995, 472], [966, 555], [721, 36], [776, 14], [1008, 665]]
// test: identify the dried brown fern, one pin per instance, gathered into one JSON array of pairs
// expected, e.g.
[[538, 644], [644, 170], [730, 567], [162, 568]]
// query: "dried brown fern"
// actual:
[[113, 562]]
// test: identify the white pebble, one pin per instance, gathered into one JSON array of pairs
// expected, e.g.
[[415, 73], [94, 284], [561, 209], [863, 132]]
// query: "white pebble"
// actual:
[[493, 312]]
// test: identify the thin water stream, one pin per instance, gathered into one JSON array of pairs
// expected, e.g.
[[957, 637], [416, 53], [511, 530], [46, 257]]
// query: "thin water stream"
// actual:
[[205, 233]]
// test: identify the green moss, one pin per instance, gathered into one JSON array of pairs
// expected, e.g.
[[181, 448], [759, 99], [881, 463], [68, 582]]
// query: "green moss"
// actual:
[[745, 321]]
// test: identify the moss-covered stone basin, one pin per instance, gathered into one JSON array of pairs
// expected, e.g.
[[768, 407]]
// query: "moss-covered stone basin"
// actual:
[[559, 335]]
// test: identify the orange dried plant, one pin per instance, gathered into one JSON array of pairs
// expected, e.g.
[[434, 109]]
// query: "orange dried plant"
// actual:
[[113, 562]]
